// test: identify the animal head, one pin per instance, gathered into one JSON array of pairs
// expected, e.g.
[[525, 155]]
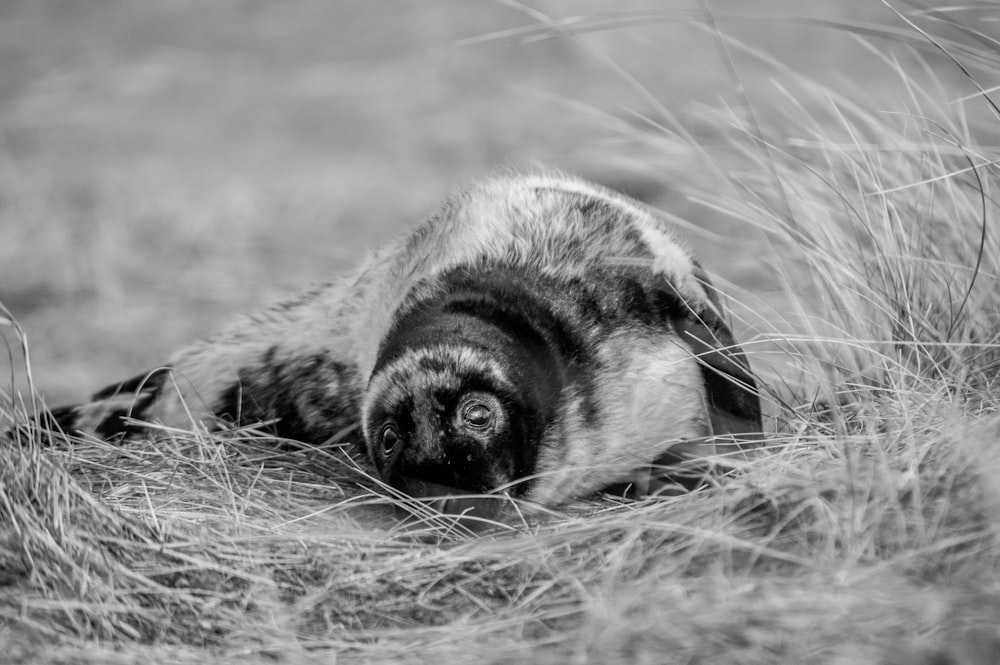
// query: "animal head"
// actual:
[[445, 415], [459, 398]]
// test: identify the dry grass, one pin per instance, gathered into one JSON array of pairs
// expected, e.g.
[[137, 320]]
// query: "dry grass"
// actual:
[[866, 533]]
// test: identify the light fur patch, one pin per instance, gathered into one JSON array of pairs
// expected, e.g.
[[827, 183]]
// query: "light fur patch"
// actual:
[[671, 258], [652, 398]]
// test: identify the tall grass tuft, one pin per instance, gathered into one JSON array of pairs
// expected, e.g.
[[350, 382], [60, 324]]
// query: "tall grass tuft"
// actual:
[[865, 531]]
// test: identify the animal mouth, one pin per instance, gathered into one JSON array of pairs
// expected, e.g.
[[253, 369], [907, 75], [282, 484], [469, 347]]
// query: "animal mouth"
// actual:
[[451, 500]]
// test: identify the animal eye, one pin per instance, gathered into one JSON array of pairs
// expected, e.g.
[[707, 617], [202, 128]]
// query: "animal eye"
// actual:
[[477, 415], [389, 438]]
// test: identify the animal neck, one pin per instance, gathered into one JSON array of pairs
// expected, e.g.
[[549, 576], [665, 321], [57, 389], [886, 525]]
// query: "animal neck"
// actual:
[[502, 325]]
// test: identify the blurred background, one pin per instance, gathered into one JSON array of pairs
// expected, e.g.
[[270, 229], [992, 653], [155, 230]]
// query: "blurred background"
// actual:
[[165, 166]]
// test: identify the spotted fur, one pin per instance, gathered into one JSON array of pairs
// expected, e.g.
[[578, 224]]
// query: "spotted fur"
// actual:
[[539, 334]]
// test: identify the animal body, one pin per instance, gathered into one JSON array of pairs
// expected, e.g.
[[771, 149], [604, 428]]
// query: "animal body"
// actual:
[[538, 334]]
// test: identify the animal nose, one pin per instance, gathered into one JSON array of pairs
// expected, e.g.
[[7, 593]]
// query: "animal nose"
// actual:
[[417, 478], [455, 470], [453, 501]]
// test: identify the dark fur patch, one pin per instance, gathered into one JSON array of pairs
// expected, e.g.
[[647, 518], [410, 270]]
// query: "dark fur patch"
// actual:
[[604, 220], [312, 397], [566, 313], [117, 404], [65, 417], [117, 423], [149, 383], [734, 406]]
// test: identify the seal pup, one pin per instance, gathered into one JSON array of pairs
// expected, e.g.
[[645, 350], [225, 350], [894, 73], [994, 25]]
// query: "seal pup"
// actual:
[[539, 334]]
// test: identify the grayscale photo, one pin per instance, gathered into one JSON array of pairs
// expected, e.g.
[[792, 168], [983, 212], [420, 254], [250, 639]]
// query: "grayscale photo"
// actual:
[[499, 331]]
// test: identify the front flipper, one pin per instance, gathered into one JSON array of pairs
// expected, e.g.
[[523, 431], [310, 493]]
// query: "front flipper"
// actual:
[[112, 409], [303, 394], [732, 402], [730, 389], [293, 367]]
